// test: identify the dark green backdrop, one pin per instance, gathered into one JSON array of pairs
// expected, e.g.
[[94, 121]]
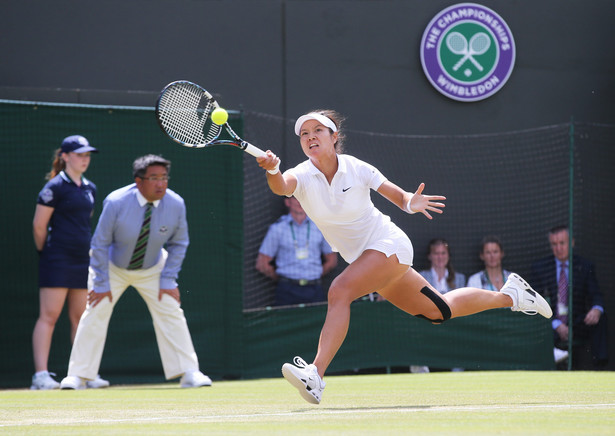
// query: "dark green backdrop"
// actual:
[[210, 281], [230, 343]]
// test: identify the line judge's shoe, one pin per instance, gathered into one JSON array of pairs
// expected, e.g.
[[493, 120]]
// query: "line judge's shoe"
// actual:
[[43, 381], [524, 298], [97, 383], [72, 382], [194, 379], [305, 378]]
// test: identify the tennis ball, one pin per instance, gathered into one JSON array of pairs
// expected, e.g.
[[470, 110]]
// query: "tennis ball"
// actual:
[[219, 116]]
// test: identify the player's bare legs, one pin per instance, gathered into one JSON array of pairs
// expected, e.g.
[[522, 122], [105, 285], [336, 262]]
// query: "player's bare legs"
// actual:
[[51, 303], [406, 295], [370, 272], [399, 284]]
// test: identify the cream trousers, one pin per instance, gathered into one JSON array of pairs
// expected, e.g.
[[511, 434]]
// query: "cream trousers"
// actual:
[[172, 334]]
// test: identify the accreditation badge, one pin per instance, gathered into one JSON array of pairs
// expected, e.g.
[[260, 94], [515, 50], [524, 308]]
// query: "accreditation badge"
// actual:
[[301, 253], [562, 309]]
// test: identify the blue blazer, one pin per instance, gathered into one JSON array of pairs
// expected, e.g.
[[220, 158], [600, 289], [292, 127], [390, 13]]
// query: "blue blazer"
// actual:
[[586, 292]]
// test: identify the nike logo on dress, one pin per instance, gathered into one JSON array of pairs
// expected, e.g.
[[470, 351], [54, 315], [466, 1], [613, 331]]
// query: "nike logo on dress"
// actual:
[[344, 190]]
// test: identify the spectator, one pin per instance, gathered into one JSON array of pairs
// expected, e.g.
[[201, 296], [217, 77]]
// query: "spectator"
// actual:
[[493, 277], [442, 276], [127, 250], [551, 276], [62, 231], [292, 254]]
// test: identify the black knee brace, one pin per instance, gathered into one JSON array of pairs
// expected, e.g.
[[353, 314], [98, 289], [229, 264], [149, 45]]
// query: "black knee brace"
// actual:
[[440, 303]]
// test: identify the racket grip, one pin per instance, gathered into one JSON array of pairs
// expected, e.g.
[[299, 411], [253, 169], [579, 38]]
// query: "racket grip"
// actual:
[[254, 151]]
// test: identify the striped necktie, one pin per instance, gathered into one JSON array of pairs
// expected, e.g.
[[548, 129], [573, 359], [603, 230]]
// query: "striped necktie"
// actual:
[[136, 261], [562, 294]]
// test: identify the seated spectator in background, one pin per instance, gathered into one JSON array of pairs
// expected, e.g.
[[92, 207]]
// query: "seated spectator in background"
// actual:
[[292, 254], [550, 276], [493, 277], [441, 276]]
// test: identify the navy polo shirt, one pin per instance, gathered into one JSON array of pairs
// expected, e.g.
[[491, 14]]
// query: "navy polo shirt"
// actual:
[[70, 223]]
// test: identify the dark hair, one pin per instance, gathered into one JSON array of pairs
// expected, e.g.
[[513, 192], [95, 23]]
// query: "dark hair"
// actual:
[[449, 266], [557, 229], [490, 240], [140, 165], [338, 119]]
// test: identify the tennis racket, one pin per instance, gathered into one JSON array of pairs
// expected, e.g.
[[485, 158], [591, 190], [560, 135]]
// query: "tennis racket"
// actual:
[[183, 111]]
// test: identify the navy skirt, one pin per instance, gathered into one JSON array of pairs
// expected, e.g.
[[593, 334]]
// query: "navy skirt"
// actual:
[[59, 267]]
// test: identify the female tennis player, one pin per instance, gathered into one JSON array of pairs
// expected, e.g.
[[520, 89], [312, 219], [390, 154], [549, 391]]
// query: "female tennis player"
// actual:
[[334, 190]]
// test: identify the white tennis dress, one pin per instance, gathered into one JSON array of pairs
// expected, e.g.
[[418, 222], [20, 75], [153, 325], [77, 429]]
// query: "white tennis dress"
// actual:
[[344, 212]]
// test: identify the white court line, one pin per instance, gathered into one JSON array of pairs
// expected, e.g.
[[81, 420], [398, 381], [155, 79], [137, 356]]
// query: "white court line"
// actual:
[[316, 411]]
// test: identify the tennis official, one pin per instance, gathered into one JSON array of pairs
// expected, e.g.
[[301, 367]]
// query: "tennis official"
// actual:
[[127, 250]]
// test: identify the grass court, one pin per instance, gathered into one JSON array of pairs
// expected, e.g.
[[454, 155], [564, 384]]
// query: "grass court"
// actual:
[[466, 403]]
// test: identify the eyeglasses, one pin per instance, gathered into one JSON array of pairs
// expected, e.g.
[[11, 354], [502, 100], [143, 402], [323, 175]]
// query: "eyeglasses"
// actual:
[[157, 179]]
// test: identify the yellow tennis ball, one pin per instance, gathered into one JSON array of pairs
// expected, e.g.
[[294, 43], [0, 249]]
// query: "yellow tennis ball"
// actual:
[[219, 116]]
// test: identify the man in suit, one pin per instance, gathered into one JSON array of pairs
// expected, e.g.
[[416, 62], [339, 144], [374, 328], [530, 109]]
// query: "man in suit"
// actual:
[[550, 276]]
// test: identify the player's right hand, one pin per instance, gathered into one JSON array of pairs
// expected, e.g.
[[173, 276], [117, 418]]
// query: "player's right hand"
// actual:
[[268, 162]]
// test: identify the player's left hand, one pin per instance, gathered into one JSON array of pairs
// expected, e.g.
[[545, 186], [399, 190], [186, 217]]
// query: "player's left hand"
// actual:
[[425, 203], [172, 292]]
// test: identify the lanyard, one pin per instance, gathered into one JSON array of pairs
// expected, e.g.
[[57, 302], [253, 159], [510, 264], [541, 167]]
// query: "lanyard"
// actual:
[[489, 281], [307, 240]]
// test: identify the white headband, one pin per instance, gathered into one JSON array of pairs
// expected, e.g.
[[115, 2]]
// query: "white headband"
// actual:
[[325, 121]]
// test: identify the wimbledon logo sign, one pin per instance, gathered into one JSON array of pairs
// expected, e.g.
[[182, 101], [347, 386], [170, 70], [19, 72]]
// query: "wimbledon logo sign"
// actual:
[[467, 52]]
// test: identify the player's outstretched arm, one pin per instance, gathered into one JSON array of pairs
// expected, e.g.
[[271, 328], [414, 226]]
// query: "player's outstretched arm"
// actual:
[[412, 203], [280, 184], [425, 203]]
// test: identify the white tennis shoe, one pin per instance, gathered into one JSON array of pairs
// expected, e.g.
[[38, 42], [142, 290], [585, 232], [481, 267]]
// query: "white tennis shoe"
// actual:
[[524, 298], [44, 381], [73, 382], [194, 379], [559, 355], [305, 378], [97, 383]]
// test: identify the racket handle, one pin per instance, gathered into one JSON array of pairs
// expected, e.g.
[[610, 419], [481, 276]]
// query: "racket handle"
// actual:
[[251, 149]]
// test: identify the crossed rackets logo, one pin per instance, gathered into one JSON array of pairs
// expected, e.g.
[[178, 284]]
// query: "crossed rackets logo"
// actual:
[[467, 52], [458, 44]]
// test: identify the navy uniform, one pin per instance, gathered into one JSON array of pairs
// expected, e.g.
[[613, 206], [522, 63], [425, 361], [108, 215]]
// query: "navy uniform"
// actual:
[[65, 258], [62, 232]]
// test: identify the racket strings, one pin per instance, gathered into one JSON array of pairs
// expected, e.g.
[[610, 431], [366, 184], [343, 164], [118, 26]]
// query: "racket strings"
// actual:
[[457, 43], [184, 111], [480, 43]]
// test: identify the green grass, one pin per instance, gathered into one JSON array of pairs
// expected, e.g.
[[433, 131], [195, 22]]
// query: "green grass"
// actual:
[[510, 403]]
